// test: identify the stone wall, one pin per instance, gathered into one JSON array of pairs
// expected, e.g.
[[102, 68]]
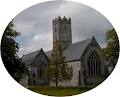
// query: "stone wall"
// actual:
[[76, 65], [92, 47], [36, 80]]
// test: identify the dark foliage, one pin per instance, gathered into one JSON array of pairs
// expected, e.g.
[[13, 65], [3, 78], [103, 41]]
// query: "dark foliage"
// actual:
[[111, 52], [9, 49]]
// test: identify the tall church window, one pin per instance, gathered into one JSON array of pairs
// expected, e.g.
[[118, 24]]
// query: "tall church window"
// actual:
[[79, 77], [94, 68], [39, 73], [33, 75], [33, 82], [65, 28], [55, 29]]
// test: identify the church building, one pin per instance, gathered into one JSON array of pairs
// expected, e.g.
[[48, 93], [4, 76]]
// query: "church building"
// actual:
[[84, 57]]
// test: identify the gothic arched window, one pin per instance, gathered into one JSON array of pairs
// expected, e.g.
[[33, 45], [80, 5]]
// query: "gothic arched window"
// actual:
[[39, 73], [55, 29], [65, 28], [94, 68], [33, 75]]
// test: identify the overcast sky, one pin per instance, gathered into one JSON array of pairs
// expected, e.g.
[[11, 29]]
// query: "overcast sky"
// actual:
[[35, 24]]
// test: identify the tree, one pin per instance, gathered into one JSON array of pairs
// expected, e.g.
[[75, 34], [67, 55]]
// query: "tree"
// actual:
[[57, 69], [111, 51], [9, 49]]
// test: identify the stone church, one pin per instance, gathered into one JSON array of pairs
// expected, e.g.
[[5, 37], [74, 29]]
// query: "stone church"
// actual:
[[84, 57]]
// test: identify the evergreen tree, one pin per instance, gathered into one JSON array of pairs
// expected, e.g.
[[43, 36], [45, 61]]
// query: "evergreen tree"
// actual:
[[57, 69], [9, 49]]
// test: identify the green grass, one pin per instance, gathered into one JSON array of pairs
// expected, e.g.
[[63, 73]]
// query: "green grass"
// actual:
[[59, 91]]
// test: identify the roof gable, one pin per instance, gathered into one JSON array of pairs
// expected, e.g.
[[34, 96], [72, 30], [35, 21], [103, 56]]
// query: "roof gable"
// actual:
[[40, 59], [94, 43], [30, 58]]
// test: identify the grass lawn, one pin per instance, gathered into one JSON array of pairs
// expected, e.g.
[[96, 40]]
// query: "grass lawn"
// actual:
[[59, 91]]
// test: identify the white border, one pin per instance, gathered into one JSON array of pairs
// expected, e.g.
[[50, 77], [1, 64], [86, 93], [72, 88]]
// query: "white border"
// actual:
[[10, 8]]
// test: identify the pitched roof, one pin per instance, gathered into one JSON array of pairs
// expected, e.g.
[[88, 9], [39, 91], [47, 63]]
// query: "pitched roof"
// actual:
[[28, 58], [73, 52], [48, 53]]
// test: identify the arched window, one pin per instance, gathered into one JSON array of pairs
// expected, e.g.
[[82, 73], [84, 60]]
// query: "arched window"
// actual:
[[33, 75], [65, 28], [94, 68], [33, 82], [55, 29], [39, 73]]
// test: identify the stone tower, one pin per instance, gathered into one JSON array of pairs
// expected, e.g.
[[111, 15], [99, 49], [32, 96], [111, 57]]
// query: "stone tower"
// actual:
[[62, 31]]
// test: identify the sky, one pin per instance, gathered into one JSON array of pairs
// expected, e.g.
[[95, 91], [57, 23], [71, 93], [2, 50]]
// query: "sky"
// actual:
[[35, 24]]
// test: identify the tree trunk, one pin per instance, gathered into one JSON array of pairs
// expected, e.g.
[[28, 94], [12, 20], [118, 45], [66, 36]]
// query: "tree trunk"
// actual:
[[56, 83], [56, 75]]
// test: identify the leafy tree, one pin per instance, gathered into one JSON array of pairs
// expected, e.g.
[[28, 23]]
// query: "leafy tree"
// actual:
[[57, 69], [9, 49], [111, 51]]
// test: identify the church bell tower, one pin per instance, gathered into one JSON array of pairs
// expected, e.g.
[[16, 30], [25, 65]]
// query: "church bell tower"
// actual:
[[62, 31]]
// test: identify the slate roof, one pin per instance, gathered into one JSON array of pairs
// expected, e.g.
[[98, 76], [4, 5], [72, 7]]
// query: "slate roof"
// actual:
[[73, 52], [28, 58], [48, 53]]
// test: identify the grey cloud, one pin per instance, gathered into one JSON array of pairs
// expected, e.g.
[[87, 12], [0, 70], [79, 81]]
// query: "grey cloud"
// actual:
[[36, 22]]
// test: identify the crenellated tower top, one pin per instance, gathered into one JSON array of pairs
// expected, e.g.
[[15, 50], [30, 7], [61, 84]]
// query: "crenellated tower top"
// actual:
[[62, 31], [61, 20]]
